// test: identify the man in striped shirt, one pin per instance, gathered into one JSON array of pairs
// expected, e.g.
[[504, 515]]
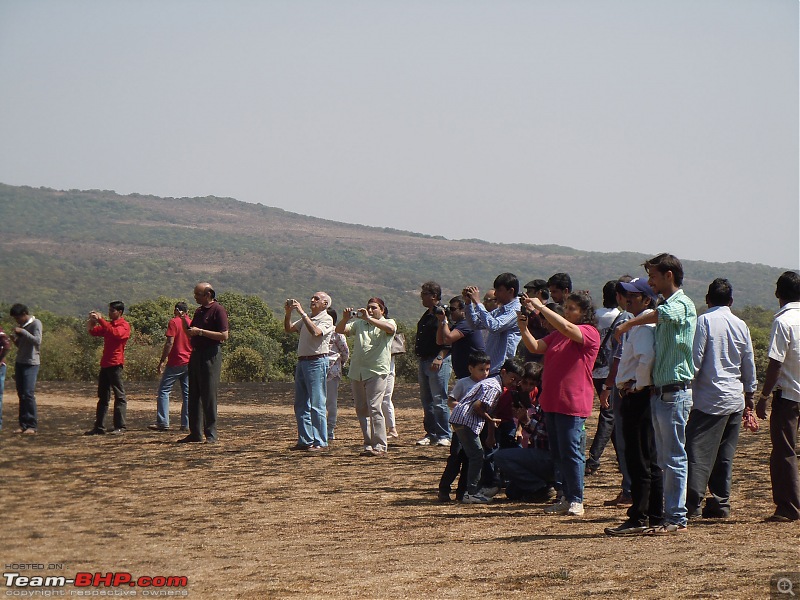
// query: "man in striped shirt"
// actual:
[[673, 371]]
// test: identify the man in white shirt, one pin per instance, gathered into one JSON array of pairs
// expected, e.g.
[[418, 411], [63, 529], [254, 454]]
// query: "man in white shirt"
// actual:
[[724, 367], [783, 374], [312, 370], [633, 380]]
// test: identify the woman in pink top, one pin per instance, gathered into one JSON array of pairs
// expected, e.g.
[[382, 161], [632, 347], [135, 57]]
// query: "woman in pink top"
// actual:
[[567, 391]]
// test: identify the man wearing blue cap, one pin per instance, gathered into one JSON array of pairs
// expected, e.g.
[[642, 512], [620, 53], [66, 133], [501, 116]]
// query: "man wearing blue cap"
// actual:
[[634, 382]]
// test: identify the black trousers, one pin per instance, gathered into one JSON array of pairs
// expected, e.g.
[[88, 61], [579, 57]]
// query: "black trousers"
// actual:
[[647, 482], [710, 445], [110, 381], [205, 366], [783, 422]]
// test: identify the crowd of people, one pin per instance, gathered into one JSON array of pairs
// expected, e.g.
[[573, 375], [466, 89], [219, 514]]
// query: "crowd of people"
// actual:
[[674, 389]]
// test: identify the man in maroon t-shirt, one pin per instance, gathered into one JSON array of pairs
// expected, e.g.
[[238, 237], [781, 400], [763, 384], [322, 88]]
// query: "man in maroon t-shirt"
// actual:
[[115, 333], [174, 366], [209, 328]]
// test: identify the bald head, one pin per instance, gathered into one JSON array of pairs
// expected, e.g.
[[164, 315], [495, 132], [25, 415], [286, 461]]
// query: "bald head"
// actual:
[[203, 293]]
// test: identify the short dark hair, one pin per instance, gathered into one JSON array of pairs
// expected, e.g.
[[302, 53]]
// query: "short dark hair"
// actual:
[[720, 292], [610, 294], [432, 288], [561, 281], [585, 303], [666, 262], [532, 370], [182, 306], [512, 366], [458, 301], [624, 279], [18, 310], [333, 314], [508, 281], [117, 305], [788, 287], [478, 358]]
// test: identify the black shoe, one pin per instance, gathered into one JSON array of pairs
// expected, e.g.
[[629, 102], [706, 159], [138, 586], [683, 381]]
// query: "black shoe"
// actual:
[[190, 440], [300, 447], [626, 528], [95, 431], [157, 427], [118, 431], [715, 514], [590, 469], [443, 497], [545, 494]]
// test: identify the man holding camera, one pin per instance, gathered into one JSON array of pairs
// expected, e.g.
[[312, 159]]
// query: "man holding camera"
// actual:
[[310, 395], [501, 323], [434, 369]]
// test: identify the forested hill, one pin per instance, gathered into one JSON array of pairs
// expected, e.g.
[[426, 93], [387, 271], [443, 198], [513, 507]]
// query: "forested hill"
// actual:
[[72, 251]]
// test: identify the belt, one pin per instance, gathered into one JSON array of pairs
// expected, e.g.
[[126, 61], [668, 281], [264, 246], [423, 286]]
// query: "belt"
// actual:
[[623, 392], [312, 357], [672, 387]]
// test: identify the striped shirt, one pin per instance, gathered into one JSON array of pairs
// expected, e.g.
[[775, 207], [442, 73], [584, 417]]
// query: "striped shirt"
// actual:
[[487, 392], [674, 338]]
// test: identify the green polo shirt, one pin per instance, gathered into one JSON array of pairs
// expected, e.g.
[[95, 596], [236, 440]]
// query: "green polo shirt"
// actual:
[[372, 350], [677, 319]]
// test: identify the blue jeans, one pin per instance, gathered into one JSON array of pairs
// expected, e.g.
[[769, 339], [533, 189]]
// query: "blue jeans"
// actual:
[[670, 412], [310, 394], [567, 438], [433, 394], [2, 385], [25, 376], [471, 444], [527, 469], [172, 374]]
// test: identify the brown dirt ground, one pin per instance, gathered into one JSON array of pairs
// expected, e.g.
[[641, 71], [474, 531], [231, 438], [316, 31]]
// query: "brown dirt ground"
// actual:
[[247, 518]]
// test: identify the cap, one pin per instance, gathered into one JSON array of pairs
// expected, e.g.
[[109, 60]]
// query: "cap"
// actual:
[[536, 284], [639, 286]]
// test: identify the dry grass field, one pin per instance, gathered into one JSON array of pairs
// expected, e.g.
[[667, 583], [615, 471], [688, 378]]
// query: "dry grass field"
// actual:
[[247, 518]]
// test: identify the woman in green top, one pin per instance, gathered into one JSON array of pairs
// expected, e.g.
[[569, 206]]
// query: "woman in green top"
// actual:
[[369, 367]]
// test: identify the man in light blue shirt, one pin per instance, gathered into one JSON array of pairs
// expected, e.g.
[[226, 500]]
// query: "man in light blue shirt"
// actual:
[[724, 369], [501, 323]]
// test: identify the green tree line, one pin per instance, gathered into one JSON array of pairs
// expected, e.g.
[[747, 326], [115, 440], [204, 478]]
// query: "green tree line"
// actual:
[[258, 348]]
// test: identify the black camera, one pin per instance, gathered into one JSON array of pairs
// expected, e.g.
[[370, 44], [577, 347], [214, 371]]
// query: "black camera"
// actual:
[[442, 310], [523, 310], [520, 399]]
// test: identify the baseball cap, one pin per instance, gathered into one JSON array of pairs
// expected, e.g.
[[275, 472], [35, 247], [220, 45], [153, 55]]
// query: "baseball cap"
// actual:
[[639, 286]]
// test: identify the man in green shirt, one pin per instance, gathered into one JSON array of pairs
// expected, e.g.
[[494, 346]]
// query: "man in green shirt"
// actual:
[[673, 371]]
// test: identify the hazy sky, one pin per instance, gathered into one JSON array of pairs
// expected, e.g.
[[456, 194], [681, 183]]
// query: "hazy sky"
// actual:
[[603, 125]]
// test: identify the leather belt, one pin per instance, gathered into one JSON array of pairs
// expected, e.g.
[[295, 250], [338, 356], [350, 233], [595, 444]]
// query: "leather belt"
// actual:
[[312, 357], [672, 387]]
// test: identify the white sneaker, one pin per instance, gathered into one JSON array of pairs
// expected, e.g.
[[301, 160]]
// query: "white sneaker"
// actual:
[[489, 492], [575, 509], [476, 498], [559, 508], [426, 441], [443, 442]]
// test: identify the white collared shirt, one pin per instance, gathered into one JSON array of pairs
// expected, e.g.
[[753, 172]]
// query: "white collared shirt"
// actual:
[[784, 346]]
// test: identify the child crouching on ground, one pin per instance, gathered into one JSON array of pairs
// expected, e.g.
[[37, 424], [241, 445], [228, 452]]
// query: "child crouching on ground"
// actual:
[[469, 415]]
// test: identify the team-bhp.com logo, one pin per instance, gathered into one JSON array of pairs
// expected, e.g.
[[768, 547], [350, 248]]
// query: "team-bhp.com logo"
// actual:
[[92, 584]]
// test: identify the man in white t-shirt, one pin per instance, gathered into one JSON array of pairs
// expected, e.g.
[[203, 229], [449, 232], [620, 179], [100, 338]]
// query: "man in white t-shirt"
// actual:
[[312, 370]]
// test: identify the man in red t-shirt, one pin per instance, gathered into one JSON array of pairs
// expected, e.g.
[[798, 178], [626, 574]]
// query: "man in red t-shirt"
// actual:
[[115, 333], [174, 366]]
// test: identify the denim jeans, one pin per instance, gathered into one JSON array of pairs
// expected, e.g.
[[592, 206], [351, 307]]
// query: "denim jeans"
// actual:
[[526, 469], [25, 376], [471, 444], [168, 379], [566, 434], [670, 412], [433, 394], [457, 466], [310, 397], [2, 385]]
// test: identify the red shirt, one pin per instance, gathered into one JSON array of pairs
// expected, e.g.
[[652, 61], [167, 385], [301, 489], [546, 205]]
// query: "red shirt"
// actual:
[[567, 386], [181, 347], [115, 335]]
